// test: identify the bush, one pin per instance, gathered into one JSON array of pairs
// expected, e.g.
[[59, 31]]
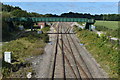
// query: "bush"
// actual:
[[103, 37], [45, 29], [45, 37]]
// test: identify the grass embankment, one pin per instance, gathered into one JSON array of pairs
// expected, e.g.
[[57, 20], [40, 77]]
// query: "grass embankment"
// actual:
[[105, 52], [29, 44], [109, 27]]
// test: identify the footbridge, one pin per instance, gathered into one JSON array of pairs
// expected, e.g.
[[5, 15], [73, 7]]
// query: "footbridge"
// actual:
[[88, 22]]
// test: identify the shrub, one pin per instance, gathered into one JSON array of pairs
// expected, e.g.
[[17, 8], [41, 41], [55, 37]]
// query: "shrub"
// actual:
[[45, 29]]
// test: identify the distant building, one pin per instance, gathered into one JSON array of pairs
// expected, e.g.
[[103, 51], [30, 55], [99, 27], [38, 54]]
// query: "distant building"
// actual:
[[41, 24]]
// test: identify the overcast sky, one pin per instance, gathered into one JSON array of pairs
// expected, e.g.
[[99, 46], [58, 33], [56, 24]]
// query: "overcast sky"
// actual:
[[63, 7]]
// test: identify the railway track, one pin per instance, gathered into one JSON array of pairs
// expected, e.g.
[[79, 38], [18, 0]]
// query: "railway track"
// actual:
[[65, 43], [77, 63], [83, 62]]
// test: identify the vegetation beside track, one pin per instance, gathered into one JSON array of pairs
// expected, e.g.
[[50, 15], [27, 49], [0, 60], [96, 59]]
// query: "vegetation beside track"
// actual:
[[28, 45], [103, 50], [47, 28], [81, 23]]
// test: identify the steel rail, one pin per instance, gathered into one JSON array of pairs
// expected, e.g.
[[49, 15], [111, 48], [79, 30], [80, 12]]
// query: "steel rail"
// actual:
[[77, 62], [81, 56], [69, 63], [56, 51], [63, 54], [73, 57]]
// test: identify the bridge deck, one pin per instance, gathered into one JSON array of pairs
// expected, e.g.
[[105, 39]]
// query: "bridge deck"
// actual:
[[52, 19]]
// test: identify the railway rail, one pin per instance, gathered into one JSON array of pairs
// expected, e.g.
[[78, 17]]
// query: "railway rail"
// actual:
[[56, 51], [65, 42], [70, 38]]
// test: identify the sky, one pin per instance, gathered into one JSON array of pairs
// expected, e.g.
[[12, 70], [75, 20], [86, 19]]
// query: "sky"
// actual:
[[60, 0], [65, 7]]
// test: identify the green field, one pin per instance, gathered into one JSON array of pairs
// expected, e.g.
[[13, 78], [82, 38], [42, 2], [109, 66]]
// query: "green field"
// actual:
[[108, 24]]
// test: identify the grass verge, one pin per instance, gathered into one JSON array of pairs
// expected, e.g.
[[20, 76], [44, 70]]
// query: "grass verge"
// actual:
[[103, 50]]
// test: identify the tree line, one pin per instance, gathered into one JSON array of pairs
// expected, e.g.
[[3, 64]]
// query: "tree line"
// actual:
[[107, 17], [18, 12]]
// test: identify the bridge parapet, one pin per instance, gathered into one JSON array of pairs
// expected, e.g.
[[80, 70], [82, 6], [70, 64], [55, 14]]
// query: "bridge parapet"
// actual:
[[52, 19]]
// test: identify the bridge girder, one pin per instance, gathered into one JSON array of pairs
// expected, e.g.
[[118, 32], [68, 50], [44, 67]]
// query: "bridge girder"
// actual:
[[52, 19]]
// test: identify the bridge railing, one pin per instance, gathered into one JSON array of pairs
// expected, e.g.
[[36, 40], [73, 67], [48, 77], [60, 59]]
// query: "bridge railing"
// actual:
[[52, 19]]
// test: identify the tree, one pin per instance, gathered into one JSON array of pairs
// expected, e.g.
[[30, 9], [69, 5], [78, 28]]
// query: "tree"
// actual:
[[5, 26], [33, 14], [48, 15], [9, 8], [20, 13]]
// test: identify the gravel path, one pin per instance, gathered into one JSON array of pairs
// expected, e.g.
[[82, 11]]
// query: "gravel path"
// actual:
[[42, 64]]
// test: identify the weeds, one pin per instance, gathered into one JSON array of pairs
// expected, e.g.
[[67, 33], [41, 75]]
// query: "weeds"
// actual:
[[105, 52], [29, 44]]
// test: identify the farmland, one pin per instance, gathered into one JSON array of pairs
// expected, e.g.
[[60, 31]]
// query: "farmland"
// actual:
[[108, 24], [108, 27]]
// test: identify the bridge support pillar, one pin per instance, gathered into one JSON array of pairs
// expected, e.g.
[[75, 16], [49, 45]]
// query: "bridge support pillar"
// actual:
[[88, 26]]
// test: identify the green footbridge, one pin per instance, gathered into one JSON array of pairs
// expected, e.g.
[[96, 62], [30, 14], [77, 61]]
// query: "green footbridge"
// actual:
[[88, 22]]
